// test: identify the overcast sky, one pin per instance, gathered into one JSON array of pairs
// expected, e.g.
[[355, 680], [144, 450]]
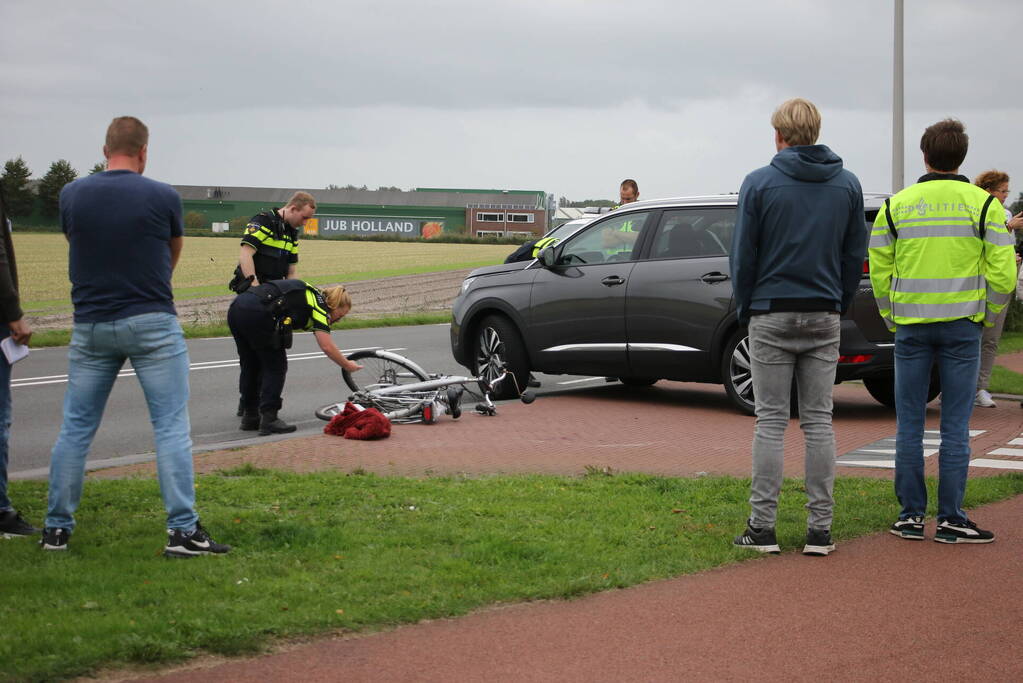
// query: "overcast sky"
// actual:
[[566, 96]]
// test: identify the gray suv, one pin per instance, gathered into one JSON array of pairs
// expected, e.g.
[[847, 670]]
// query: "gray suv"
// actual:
[[641, 294]]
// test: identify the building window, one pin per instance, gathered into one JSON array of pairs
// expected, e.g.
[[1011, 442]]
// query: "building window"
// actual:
[[520, 218], [483, 217]]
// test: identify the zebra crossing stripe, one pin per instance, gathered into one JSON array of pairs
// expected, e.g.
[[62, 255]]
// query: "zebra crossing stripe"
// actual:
[[881, 453], [1009, 452], [997, 464]]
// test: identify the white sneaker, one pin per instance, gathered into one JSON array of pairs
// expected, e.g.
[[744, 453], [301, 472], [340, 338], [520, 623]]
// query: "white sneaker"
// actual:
[[984, 399]]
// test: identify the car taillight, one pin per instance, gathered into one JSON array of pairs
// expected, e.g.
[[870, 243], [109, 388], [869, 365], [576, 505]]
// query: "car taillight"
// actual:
[[862, 358], [866, 267]]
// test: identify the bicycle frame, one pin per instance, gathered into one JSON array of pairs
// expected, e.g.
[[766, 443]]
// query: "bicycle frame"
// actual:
[[425, 400]]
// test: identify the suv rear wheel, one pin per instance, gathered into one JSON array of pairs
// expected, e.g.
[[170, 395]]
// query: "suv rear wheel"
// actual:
[[498, 345]]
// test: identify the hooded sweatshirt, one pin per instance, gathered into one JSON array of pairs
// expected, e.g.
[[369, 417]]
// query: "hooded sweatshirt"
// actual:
[[800, 235]]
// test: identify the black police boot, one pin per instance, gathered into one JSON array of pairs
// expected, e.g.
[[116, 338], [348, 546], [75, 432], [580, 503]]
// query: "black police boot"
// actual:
[[269, 423], [241, 407], [250, 420]]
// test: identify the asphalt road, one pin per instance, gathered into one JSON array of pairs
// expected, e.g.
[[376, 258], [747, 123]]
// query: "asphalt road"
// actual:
[[125, 436], [38, 384]]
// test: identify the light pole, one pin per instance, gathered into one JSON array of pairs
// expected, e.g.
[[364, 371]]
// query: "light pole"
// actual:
[[898, 124]]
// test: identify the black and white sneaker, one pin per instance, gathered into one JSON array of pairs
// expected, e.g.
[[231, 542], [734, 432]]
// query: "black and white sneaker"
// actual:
[[761, 540], [911, 528], [12, 525], [962, 532], [54, 538], [180, 544], [818, 542]]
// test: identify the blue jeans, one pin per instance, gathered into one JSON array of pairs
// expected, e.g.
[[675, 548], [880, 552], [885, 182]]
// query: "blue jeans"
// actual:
[[5, 421], [785, 346], [156, 347], [955, 347]]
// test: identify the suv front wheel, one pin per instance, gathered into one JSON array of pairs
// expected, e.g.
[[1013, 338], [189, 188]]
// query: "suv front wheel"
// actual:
[[737, 373], [499, 345]]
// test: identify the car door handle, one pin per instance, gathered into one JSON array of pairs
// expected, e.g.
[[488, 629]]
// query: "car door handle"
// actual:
[[711, 278], [612, 280]]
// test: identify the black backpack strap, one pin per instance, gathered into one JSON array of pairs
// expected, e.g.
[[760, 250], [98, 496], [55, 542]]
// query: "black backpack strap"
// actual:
[[982, 227], [891, 223]]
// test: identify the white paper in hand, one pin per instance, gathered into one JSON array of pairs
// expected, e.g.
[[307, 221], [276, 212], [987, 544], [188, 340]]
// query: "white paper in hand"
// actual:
[[13, 351]]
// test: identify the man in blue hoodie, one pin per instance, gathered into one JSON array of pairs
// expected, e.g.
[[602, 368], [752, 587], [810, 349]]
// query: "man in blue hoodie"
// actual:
[[796, 261]]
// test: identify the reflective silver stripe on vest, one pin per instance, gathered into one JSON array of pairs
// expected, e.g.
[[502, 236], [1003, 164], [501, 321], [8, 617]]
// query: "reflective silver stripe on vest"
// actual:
[[962, 309], [878, 240], [999, 239], [930, 285], [997, 298], [883, 303], [908, 232]]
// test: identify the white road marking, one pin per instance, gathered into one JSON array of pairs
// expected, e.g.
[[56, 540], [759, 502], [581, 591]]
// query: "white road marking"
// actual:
[[584, 379], [1010, 452], [886, 464], [203, 365], [997, 464]]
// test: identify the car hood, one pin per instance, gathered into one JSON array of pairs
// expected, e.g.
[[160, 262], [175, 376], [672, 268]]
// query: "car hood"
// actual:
[[502, 268]]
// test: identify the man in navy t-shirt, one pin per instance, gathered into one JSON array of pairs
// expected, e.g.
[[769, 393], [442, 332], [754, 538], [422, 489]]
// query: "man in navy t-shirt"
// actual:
[[125, 237]]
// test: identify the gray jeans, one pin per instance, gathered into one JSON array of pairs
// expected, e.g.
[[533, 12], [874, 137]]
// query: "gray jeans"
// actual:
[[783, 346]]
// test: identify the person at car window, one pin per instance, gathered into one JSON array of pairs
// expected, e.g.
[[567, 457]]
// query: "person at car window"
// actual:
[[796, 261], [622, 239], [938, 313], [531, 249], [995, 183]]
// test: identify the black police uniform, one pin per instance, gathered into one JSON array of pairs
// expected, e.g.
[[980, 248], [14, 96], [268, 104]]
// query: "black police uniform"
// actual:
[[276, 245], [261, 319]]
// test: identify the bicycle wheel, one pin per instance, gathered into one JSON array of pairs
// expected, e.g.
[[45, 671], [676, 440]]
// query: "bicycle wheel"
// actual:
[[382, 368], [329, 411]]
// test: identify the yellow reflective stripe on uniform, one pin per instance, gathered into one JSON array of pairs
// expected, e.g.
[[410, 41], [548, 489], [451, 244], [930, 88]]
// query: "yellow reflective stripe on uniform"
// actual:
[[935, 284], [316, 313], [961, 309], [880, 238], [997, 298], [999, 238], [277, 244], [909, 232], [542, 244]]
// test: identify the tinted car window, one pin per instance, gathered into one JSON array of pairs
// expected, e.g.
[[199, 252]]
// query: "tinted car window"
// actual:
[[694, 233], [609, 240]]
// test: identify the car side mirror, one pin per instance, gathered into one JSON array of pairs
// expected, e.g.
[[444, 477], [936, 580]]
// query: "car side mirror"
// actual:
[[549, 256]]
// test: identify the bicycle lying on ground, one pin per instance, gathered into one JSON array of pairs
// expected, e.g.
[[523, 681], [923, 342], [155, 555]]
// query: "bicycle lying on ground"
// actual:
[[405, 393]]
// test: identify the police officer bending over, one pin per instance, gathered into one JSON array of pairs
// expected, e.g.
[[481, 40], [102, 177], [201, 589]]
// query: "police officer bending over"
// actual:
[[261, 319], [269, 249]]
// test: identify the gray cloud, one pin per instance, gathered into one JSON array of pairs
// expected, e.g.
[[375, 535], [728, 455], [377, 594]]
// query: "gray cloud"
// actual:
[[562, 94]]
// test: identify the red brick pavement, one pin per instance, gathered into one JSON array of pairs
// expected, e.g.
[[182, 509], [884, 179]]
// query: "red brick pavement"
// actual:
[[676, 429], [879, 609]]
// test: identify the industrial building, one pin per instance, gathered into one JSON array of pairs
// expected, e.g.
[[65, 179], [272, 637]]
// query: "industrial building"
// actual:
[[422, 212]]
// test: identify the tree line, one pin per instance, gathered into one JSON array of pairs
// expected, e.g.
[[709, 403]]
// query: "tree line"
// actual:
[[22, 199]]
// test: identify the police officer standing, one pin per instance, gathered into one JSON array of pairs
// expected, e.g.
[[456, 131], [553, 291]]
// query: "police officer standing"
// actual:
[[269, 249], [261, 320]]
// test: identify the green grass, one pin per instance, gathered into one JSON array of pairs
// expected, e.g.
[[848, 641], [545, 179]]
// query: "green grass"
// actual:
[[1010, 342], [1004, 381], [328, 552], [63, 337], [207, 263]]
